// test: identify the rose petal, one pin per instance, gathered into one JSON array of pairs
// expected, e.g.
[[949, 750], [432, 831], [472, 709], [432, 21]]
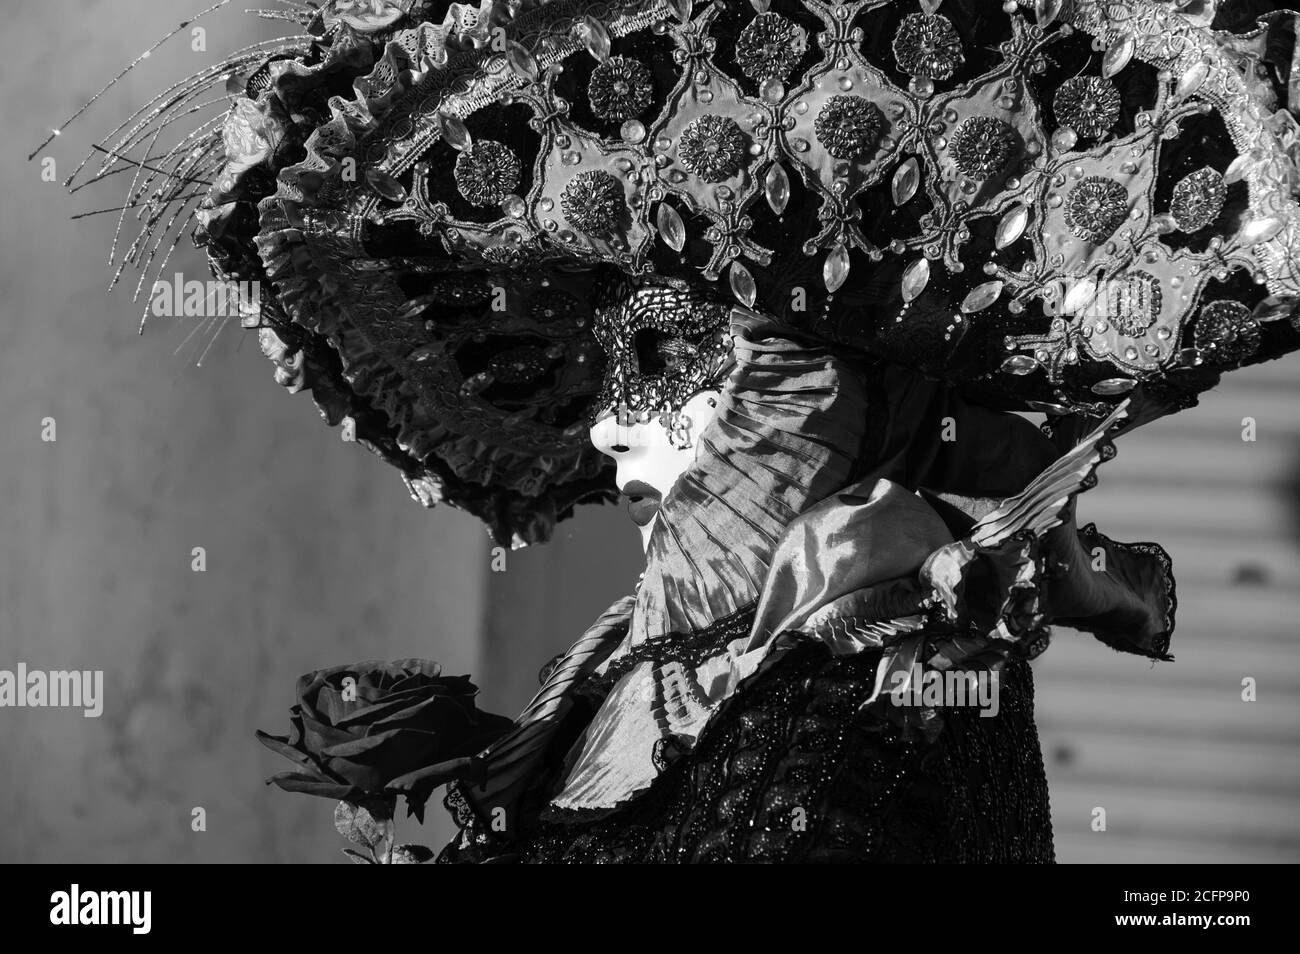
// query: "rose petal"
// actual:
[[281, 746], [310, 785]]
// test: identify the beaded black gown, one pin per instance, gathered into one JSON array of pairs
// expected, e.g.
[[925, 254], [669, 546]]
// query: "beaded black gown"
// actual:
[[793, 772]]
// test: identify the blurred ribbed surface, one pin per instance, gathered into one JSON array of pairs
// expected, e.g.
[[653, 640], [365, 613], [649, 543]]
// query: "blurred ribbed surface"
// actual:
[[1185, 770]]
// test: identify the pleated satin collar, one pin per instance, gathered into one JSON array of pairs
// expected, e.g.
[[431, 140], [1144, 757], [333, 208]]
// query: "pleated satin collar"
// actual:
[[790, 425]]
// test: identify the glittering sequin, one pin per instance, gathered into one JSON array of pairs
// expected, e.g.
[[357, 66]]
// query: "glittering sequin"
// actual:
[[621, 88], [519, 365], [1227, 333], [1087, 104], [1133, 303], [1198, 199], [770, 47], [486, 172], [1095, 208], [593, 201], [849, 126], [928, 45], [982, 146], [713, 148]]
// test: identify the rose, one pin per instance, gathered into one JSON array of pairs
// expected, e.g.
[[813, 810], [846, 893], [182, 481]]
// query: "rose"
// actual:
[[364, 16], [249, 135], [370, 731]]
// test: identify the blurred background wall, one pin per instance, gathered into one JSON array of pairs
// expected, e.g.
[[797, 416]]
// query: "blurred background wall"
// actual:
[[316, 556]]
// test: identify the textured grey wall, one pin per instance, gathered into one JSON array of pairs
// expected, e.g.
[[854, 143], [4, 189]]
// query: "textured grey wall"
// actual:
[[316, 556]]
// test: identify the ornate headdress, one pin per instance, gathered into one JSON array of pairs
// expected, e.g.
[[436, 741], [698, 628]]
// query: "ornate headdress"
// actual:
[[1053, 204]]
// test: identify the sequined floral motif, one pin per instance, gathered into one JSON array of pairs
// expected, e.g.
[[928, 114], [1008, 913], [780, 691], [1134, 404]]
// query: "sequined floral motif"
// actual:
[[713, 148], [927, 45], [1198, 199], [1096, 208], [770, 47], [486, 172], [460, 293], [592, 202], [1227, 333], [849, 126], [982, 146], [552, 305], [519, 365], [1087, 104], [1133, 303], [620, 89]]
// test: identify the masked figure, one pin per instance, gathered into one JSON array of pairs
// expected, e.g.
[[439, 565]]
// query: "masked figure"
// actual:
[[780, 274]]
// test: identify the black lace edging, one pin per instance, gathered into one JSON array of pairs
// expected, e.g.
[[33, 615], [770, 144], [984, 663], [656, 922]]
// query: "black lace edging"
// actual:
[[1160, 645], [689, 649]]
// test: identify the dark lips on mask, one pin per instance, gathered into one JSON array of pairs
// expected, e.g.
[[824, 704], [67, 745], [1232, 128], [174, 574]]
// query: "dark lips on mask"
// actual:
[[642, 501]]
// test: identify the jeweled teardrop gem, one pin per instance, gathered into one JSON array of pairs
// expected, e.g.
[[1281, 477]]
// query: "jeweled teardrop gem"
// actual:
[[835, 270], [931, 6], [1114, 386], [981, 296], [776, 187], [522, 62], [1079, 296], [1118, 56], [1236, 170], [1192, 80], [915, 279], [416, 305], [761, 6], [385, 185], [1020, 364], [671, 228], [1046, 11], [596, 38], [907, 178], [1012, 226], [1261, 230], [236, 85], [454, 130], [1273, 308], [742, 284], [682, 8]]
